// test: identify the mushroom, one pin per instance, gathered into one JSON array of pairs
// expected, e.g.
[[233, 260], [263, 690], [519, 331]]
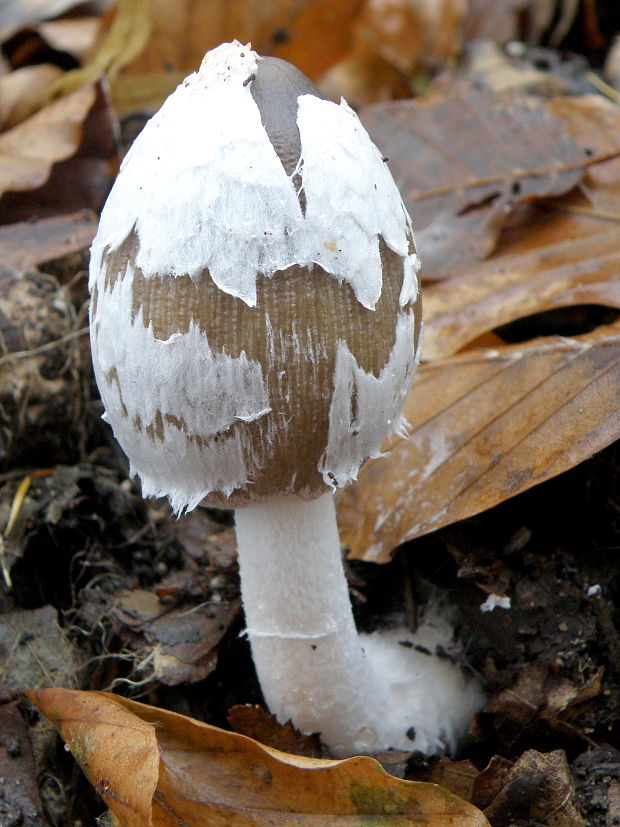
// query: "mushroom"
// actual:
[[255, 328]]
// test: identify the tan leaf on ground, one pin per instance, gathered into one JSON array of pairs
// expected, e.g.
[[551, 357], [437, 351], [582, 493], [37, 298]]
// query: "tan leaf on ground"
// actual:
[[28, 151], [464, 159], [24, 91], [85, 139], [486, 425], [565, 270], [156, 767], [456, 776]]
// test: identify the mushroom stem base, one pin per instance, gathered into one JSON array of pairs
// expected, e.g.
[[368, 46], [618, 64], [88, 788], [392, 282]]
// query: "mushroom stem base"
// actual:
[[363, 694], [308, 657]]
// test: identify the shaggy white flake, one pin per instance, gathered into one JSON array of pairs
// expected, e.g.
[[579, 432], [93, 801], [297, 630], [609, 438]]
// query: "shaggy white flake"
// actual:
[[364, 408], [209, 390], [204, 188], [431, 699]]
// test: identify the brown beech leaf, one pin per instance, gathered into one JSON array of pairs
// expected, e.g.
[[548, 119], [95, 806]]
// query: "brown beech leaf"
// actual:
[[255, 722], [486, 425], [560, 254], [464, 158], [77, 159], [184, 31], [154, 767], [28, 244], [29, 150], [24, 91], [566, 270]]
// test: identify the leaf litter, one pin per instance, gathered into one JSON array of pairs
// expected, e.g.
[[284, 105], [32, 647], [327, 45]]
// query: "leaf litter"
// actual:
[[517, 225]]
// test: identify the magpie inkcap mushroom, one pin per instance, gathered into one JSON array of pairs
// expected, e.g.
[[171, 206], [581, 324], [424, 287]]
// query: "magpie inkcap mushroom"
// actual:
[[255, 328]]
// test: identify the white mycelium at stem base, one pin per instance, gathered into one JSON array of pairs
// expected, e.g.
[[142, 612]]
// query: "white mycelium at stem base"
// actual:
[[255, 329]]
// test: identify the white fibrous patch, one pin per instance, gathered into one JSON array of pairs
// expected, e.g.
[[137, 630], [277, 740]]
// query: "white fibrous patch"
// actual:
[[364, 408], [203, 395], [430, 697], [204, 188], [351, 197], [409, 290]]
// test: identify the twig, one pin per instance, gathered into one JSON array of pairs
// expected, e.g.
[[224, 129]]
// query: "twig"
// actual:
[[603, 87], [36, 351]]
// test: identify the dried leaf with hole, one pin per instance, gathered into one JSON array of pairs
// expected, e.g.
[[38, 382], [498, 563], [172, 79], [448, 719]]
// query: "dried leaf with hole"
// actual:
[[464, 159], [486, 425], [156, 767], [559, 269]]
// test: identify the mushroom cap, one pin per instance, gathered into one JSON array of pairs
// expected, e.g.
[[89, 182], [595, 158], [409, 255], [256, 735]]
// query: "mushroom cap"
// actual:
[[255, 318]]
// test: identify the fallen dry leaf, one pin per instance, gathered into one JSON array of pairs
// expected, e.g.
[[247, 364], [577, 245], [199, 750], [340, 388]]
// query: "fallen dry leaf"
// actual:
[[464, 159], [24, 91], [541, 701], [185, 639], [456, 776], [28, 151], [258, 724], [129, 30], [566, 270], [29, 244], [562, 254], [184, 31], [151, 766], [60, 160], [538, 789], [486, 425], [74, 35]]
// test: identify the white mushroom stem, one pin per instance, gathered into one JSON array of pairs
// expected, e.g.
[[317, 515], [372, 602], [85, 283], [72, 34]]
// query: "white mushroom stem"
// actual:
[[308, 656]]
